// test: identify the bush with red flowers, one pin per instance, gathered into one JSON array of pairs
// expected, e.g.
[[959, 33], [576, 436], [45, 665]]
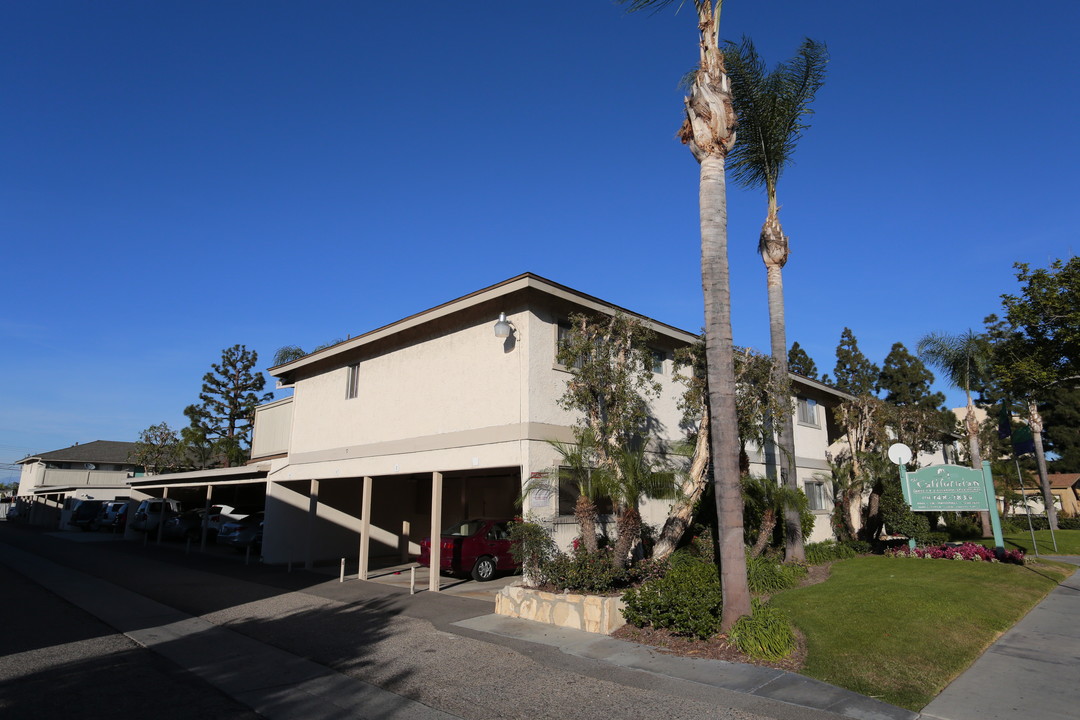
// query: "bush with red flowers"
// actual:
[[966, 551]]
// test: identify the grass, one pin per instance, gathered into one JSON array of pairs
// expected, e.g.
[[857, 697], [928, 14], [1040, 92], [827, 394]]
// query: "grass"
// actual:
[[1068, 542], [900, 629]]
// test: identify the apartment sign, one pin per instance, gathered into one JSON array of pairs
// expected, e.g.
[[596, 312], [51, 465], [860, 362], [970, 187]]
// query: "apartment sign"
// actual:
[[952, 488]]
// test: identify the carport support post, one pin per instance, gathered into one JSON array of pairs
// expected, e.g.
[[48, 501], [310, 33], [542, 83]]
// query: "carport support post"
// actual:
[[435, 549], [161, 520], [365, 529], [313, 512], [206, 517]]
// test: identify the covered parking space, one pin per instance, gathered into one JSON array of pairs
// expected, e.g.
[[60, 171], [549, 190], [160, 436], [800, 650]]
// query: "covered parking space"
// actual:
[[240, 487], [379, 521]]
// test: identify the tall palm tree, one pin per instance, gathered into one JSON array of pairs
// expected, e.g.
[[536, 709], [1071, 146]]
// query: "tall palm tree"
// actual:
[[709, 132], [772, 108], [963, 359]]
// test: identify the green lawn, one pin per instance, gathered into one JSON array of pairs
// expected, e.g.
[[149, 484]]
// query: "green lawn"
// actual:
[[1068, 542], [899, 629]]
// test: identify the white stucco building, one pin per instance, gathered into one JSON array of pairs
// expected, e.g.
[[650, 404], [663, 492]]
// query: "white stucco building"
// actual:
[[395, 433]]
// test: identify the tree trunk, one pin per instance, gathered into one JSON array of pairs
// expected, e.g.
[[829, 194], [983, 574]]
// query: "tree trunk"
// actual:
[[768, 524], [773, 245], [874, 523], [972, 426], [1040, 459], [709, 132], [628, 527], [679, 517], [585, 514]]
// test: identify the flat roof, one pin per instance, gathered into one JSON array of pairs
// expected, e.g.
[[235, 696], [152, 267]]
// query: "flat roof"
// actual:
[[217, 476]]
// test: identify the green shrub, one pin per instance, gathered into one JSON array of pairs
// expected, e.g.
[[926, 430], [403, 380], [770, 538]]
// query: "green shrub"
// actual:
[[823, 552], [532, 546], [686, 600], [897, 514], [961, 527], [859, 547], [766, 575], [582, 571], [765, 634], [1019, 523], [934, 538]]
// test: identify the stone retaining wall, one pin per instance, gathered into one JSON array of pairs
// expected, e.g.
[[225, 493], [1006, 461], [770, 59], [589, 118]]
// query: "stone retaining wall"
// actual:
[[592, 613]]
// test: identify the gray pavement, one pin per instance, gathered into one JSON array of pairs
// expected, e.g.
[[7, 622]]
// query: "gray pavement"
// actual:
[[1031, 671], [299, 645]]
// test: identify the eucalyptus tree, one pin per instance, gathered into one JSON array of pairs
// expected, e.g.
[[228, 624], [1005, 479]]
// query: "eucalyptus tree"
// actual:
[[772, 107], [964, 360], [709, 131]]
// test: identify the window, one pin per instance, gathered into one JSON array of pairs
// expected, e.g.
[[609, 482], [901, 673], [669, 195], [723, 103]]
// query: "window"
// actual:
[[352, 381], [658, 358], [808, 411], [568, 495], [816, 495], [562, 337]]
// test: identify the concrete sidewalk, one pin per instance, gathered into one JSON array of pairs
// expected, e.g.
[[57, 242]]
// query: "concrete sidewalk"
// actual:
[[1032, 671]]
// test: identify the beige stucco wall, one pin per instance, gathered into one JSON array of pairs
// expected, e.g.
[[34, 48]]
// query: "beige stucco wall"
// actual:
[[272, 428], [457, 378]]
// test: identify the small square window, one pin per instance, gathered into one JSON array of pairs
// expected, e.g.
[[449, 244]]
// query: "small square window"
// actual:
[[808, 412], [568, 495], [562, 337], [352, 381]]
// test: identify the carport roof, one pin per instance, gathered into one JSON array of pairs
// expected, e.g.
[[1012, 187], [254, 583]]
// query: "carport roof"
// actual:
[[55, 489], [218, 476]]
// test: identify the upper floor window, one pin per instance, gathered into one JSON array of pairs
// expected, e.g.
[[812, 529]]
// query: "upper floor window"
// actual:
[[808, 411], [352, 381], [658, 358], [563, 336]]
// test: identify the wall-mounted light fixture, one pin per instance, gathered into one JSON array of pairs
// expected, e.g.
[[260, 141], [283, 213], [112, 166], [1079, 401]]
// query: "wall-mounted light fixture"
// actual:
[[502, 327]]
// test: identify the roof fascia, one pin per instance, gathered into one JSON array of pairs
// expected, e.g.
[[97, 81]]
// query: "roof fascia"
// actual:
[[494, 292]]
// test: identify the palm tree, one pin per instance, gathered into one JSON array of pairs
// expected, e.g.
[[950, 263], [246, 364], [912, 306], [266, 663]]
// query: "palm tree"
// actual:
[[577, 470], [767, 500], [772, 107], [709, 132], [287, 353], [632, 479], [963, 359]]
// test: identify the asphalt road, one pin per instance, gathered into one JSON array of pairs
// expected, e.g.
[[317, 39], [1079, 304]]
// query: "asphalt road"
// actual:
[[54, 654]]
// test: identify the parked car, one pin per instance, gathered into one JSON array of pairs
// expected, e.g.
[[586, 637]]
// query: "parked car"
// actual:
[[243, 533], [480, 547], [217, 515], [106, 517], [119, 523], [148, 516], [187, 525], [84, 513]]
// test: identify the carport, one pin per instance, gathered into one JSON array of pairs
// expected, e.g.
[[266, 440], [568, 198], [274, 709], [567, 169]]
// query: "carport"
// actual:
[[243, 487], [378, 519]]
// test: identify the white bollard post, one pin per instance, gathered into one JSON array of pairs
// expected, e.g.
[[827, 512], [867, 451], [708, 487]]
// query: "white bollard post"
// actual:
[[412, 580], [341, 578]]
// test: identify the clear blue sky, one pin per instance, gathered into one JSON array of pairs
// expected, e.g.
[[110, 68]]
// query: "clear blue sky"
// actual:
[[180, 176]]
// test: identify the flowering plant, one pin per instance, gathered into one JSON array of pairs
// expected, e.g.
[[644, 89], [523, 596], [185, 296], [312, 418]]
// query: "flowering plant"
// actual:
[[966, 551]]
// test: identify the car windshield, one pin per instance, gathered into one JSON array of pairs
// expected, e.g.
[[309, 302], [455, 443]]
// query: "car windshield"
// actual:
[[464, 529]]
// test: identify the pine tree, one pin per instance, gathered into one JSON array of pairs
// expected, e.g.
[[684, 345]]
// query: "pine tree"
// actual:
[[1061, 420], [906, 381], [854, 373], [800, 362], [229, 395]]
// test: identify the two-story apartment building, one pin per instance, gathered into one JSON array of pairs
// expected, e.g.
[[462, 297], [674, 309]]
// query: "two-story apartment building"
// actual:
[[394, 434], [49, 482]]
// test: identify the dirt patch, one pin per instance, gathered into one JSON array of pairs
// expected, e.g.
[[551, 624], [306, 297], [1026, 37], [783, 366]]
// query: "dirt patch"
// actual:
[[719, 648]]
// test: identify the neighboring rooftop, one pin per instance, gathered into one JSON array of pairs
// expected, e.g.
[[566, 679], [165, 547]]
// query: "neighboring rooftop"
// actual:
[[1062, 480], [98, 451]]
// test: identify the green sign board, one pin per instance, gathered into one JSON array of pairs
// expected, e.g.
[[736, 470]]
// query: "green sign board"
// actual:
[[952, 488]]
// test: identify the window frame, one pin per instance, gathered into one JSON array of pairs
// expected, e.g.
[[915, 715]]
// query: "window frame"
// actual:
[[809, 405]]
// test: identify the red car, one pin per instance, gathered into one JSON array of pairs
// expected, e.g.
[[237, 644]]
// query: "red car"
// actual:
[[480, 547]]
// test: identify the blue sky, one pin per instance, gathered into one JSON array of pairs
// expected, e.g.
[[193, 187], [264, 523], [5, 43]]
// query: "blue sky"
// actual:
[[180, 176]]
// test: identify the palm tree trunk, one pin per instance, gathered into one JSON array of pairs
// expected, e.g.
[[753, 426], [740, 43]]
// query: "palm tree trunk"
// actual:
[[972, 426], [628, 527], [679, 517], [1040, 459], [585, 514], [773, 245], [719, 353], [768, 524]]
